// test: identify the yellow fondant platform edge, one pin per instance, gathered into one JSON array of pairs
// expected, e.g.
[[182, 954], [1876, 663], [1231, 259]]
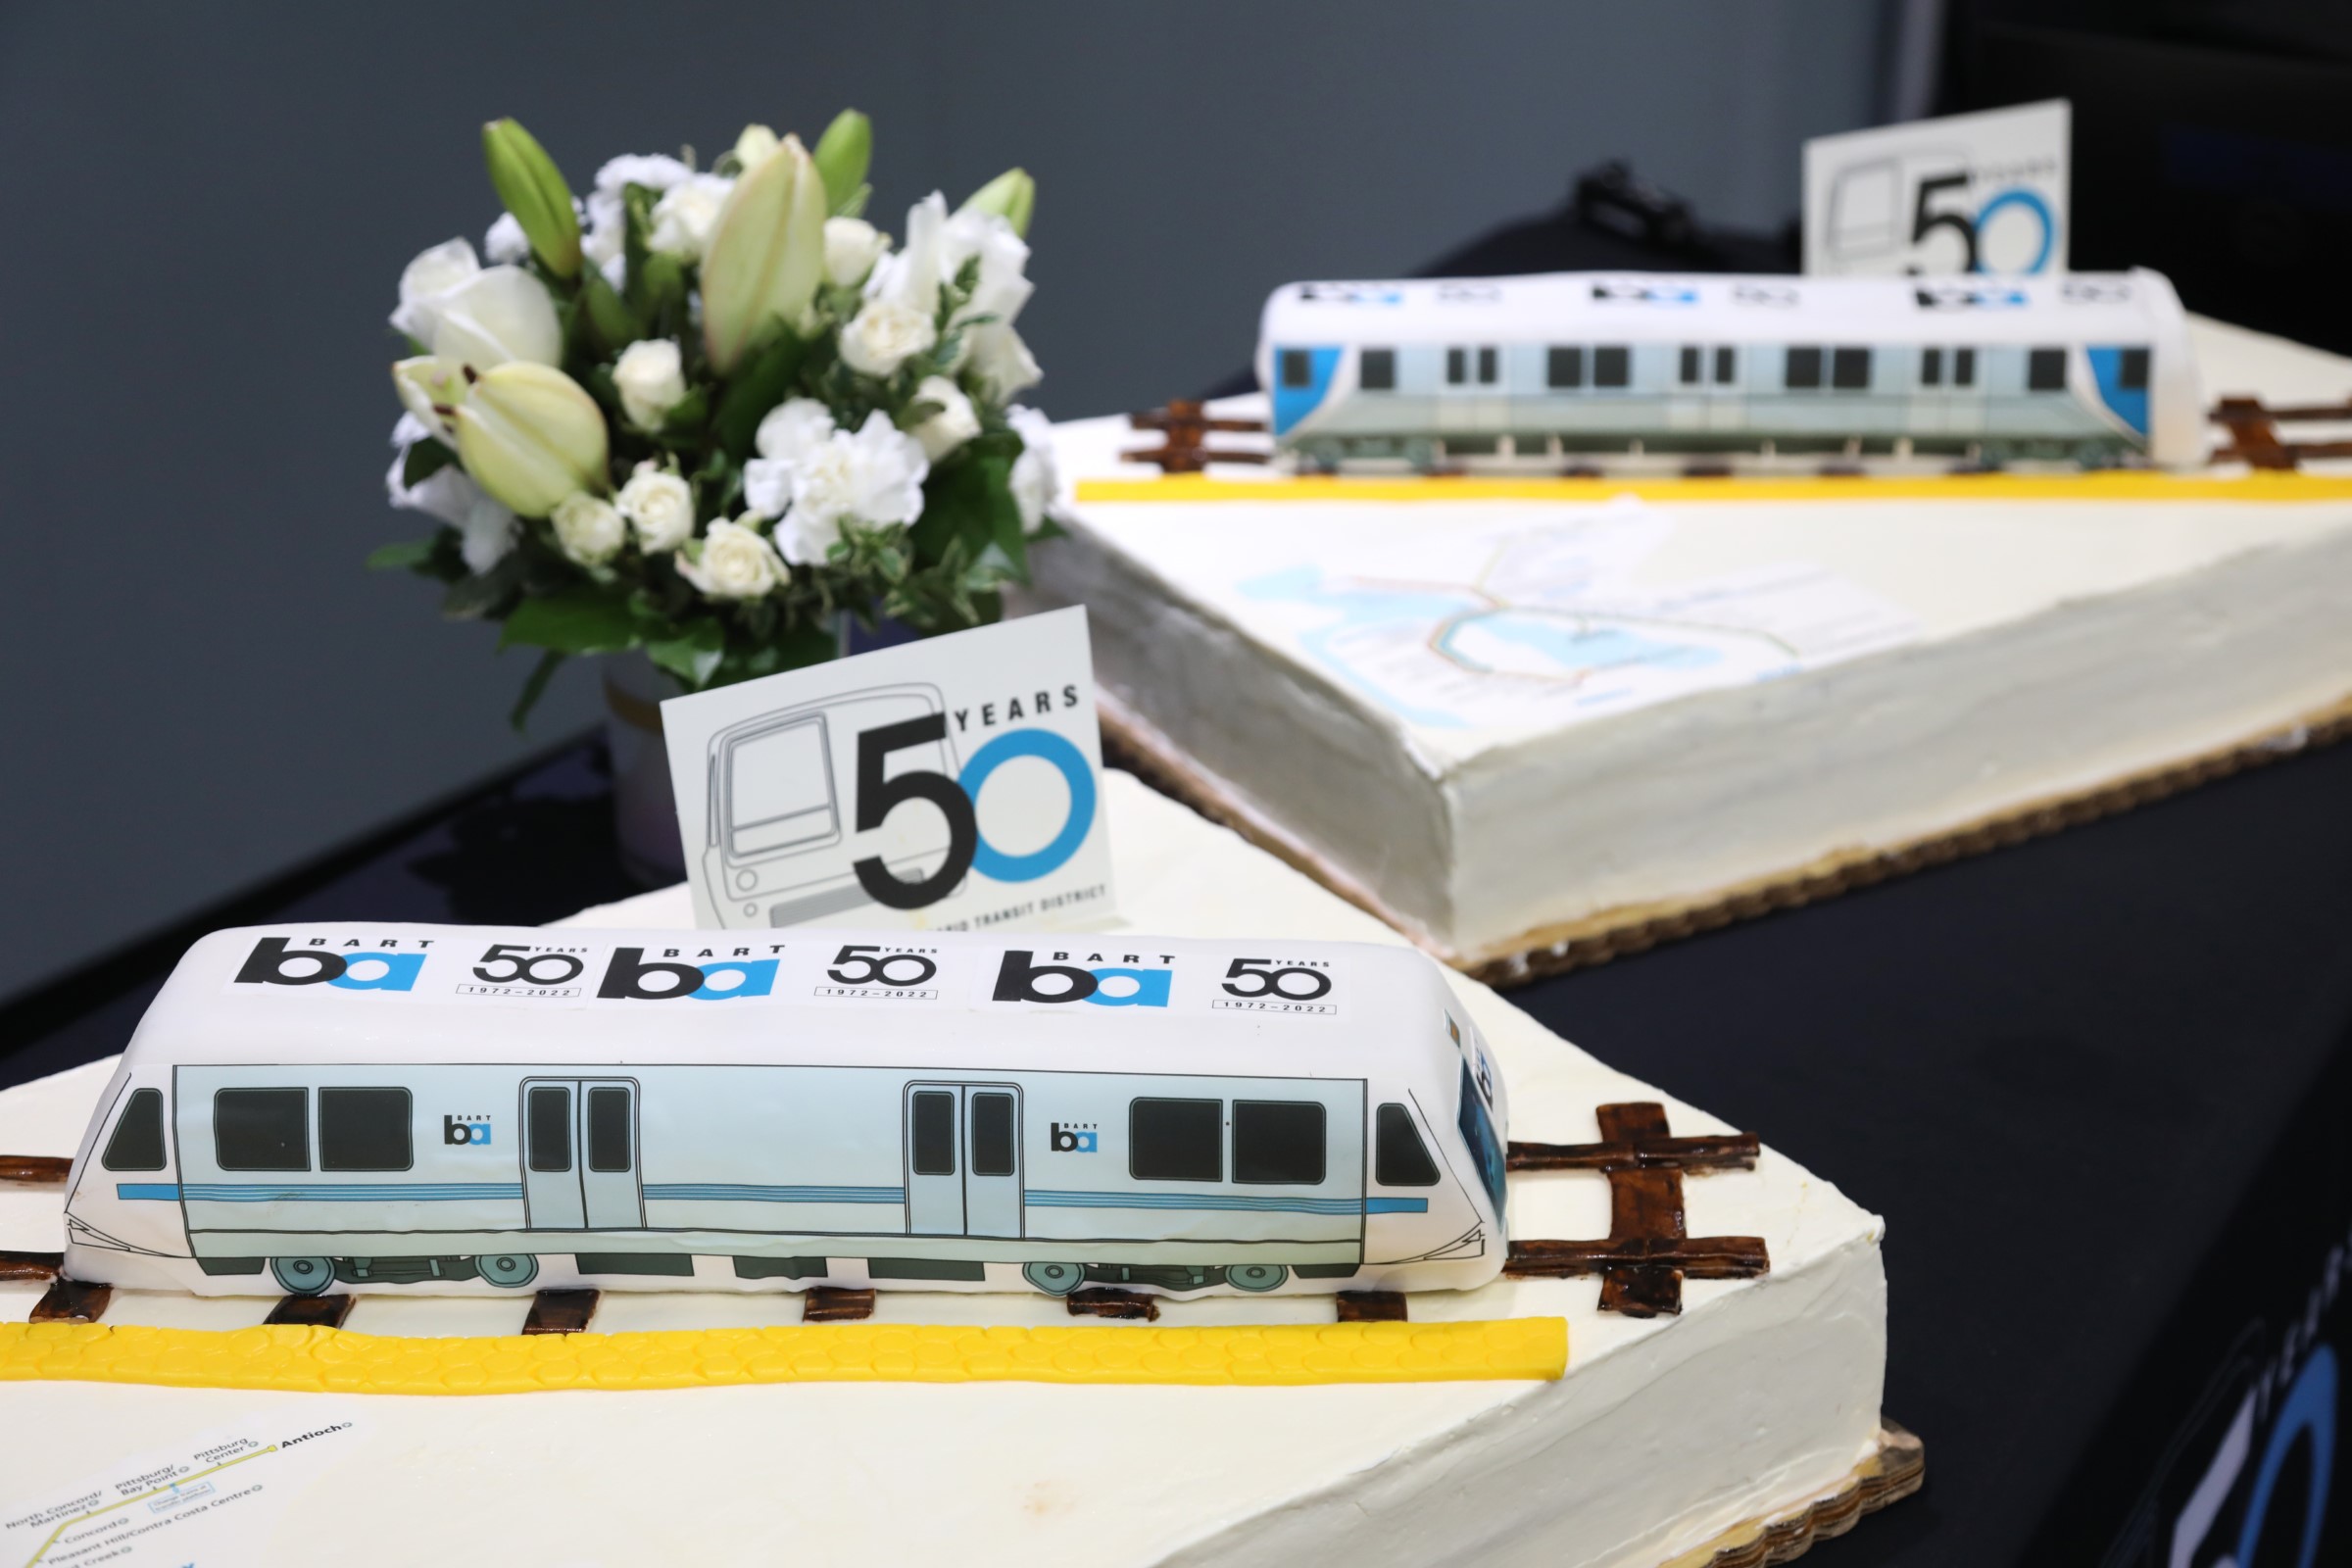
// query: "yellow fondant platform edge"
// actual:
[[2133, 485], [324, 1360]]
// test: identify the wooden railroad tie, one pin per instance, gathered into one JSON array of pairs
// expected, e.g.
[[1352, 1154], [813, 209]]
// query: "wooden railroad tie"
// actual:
[[1102, 1301], [311, 1311], [1649, 1251], [1371, 1306], [33, 1170], [2254, 438], [561, 1311], [71, 1302], [1183, 425], [824, 1304]]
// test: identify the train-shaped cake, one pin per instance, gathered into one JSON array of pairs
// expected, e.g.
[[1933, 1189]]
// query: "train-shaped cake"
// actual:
[[1547, 371], [469, 1109]]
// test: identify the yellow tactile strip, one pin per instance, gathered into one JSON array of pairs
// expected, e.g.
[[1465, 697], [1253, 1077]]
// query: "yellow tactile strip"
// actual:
[[308, 1359], [2134, 484]]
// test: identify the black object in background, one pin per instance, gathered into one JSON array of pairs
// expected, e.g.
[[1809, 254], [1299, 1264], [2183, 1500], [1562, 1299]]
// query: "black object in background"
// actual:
[[2210, 142]]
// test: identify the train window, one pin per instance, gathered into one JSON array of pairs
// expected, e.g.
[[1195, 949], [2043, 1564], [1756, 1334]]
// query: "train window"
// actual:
[[934, 1133], [1376, 370], [547, 1127], [1930, 366], [1486, 366], [1278, 1141], [1176, 1140], [1849, 370], [1727, 365], [2045, 370], [609, 1128], [2131, 376], [1295, 369], [1803, 370], [364, 1129], [1564, 367], [1612, 367], [1690, 367], [1399, 1158], [138, 1141], [991, 1135], [262, 1129], [1964, 367], [1457, 367]]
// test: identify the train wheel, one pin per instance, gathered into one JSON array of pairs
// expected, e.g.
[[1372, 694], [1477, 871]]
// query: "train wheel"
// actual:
[[302, 1276], [1257, 1276], [1054, 1279], [514, 1270]]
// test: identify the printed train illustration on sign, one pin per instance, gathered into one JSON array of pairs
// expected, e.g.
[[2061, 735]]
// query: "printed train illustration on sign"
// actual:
[[1531, 372], [465, 1110]]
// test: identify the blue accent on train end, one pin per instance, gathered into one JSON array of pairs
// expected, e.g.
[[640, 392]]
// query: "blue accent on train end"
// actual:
[[2130, 407], [1395, 1206], [158, 1192], [1294, 403]]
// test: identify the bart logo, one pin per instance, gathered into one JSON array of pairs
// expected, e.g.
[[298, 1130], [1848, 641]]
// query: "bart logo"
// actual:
[[1018, 979], [630, 977], [469, 1131], [272, 964], [1076, 1138]]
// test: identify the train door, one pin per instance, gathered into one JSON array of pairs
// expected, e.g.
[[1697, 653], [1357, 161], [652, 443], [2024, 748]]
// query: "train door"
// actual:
[[963, 1159], [579, 1154]]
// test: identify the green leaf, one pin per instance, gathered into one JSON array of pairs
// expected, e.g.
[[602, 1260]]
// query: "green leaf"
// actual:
[[759, 385], [425, 459], [482, 595], [616, 326], [533, 688], [692, 654], [968, 497], [410, 555], [588, 618], [685, 421]]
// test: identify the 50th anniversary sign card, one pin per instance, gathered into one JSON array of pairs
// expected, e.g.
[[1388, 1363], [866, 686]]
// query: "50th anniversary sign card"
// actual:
[[949, 784]]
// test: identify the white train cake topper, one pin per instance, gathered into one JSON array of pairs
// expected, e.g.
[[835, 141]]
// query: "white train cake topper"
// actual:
[[466, 1109], [1534, 372]]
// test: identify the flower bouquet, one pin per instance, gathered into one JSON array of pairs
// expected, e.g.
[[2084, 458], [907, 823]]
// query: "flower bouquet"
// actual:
[[714, 416]]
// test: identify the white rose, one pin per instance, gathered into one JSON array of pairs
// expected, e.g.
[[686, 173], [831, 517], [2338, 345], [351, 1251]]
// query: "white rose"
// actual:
[[660, 507], [852, 248], [952, 425], [498, 315], [874, 477], [589, 528], [429, 280], [792, 430], [506, 243], [1036, 478], [733, 563], [487, 530], [884, 335], [683, 217], [606, 219], [650, 380]]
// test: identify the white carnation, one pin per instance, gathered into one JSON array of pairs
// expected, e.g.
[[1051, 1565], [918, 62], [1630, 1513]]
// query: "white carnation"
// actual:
[[1036, 478], [955, 423], [852, 248], [651, 378], [660, 507], [606, 219], [506, 243], [589, 528], [732, 562], [487, 531], [683, 217], [937, 248], [429, 280], [792, 430], [874, 477], [1000, 361], [884, 335]]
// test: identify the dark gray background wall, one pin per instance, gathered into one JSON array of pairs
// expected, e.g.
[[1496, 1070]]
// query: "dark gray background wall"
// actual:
[[207, 210]]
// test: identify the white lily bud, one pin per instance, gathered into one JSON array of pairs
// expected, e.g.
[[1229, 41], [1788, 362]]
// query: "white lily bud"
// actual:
[[766, 255], [431, 391], [530, 435]]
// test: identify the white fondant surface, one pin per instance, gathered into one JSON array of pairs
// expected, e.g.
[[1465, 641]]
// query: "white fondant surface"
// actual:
[[2052, 646], [1662, 1434]]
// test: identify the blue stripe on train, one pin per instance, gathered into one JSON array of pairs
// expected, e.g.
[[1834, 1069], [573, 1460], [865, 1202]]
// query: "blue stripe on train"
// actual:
[[1242, 1202], [733, 1192], [348, 1192], [716, 1192]]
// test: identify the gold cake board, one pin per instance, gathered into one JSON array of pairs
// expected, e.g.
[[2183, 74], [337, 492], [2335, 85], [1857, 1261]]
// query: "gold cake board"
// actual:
[[1892, 1473], [1133, 743]]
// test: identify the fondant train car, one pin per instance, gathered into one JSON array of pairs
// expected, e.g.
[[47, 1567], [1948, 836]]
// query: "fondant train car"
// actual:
[[1536, 372], [470, 1109]]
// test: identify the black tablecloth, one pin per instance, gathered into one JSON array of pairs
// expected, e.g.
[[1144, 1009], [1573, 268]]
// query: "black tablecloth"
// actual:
[[2098, 1085]]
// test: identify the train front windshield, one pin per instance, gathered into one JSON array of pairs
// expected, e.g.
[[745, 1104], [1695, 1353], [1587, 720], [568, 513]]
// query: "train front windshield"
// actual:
[[779, 788], [1478, 1131]]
